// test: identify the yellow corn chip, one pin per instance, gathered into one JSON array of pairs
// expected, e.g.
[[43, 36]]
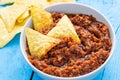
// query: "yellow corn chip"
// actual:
[[17, 25], [38, 3], [3, 30], [10, 14], [64, 28], [38, 43], [5, 36], [14, 1], [41, 18], [57, 1], [6, 1], [23, 16]]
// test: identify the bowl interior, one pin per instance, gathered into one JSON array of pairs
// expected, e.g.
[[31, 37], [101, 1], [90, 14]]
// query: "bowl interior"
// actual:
[[73, 8]]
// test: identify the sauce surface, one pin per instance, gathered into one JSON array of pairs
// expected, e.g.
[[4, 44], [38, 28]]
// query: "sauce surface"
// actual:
[[69, 59]]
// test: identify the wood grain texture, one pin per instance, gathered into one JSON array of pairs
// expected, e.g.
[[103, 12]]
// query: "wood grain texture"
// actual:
[[12, 64], [36, 77], [113, 68]]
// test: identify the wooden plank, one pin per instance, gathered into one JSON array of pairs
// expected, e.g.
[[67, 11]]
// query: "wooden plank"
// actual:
[[36, 77], [100, 2], [99, 77], [12, 64], [113, 68]]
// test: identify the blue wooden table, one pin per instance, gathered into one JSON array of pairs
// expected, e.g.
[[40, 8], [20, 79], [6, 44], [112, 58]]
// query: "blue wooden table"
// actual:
[[14, 67]]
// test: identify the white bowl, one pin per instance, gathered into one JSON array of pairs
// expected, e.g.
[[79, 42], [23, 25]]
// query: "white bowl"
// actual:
[[70, 8]]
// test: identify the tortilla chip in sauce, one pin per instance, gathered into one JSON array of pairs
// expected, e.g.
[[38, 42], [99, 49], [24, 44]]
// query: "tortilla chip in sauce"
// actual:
[[64, 28], [41, 18], [38, 43]]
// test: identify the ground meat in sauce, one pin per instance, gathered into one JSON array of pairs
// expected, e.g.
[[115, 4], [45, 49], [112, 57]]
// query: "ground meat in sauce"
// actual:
[[69, 59]]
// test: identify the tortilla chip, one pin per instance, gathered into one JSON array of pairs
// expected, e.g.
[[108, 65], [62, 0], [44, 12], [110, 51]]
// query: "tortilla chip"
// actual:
[[3, 30], [21, 24], [6, 1], [21, 18], [38, 43], [18, 27], [13, 1], [5, 36], [10, 14], [64, 28], [41, 18], [57, 1], [38, 3]]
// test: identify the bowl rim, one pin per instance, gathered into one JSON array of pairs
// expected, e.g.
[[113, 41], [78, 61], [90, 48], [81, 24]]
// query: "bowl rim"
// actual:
[[81, 76]]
